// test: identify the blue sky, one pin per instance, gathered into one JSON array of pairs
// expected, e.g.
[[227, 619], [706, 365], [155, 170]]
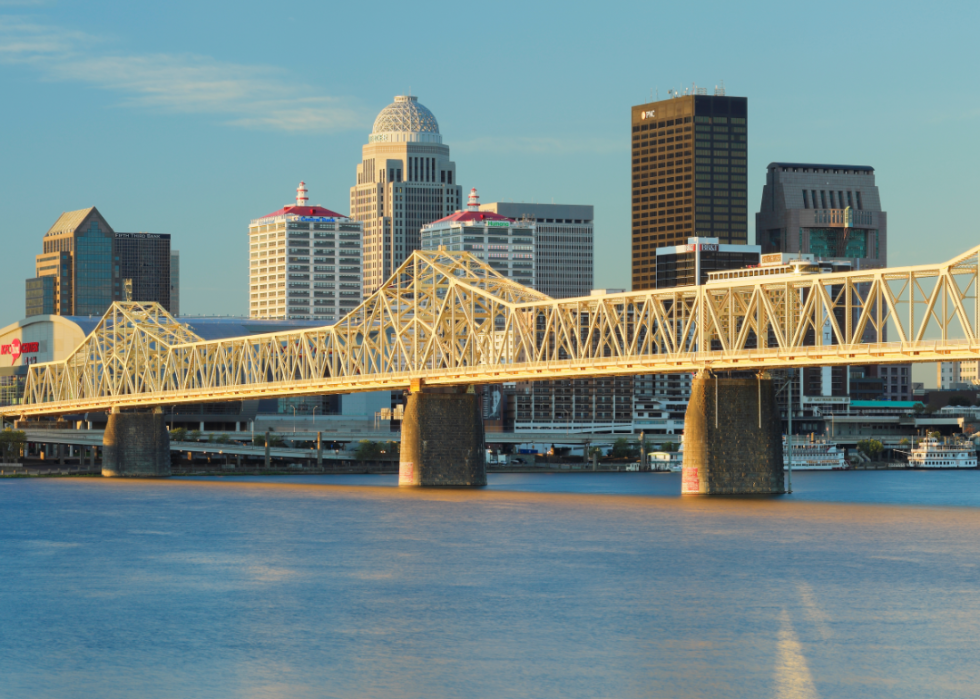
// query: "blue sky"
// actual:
[[190, 118]]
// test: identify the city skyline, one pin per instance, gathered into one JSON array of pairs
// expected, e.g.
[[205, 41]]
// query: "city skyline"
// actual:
[[163, 148]]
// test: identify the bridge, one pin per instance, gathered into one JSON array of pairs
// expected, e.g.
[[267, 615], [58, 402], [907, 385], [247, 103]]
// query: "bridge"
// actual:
[[446, 320]]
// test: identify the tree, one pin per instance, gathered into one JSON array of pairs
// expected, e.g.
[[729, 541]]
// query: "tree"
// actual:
[[936, 434], [624, 448], [178, 434], [367, 451], [12, 445], [193, 436], [223, 439], [903, 442], [871, 448], [668, 446]]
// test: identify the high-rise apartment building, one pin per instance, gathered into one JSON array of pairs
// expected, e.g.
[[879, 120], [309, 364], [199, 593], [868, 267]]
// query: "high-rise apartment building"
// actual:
[[304, 263], [504, 244], [404, 181], [86, 266], [563, 235], [830, 211], [689, 175]]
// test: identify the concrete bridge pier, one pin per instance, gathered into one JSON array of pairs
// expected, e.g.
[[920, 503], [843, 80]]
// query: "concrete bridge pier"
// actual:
[[442, 439], [732, 438], [136, 445]]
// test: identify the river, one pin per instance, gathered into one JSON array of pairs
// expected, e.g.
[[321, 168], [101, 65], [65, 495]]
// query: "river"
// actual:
[[860, 584]]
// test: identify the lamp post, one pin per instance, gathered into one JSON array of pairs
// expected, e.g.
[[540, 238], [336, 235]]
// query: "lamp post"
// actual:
[[294, 419]]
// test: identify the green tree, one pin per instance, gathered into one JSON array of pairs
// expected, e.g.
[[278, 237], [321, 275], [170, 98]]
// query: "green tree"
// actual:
[[178, 434], [624, 448], [367, 451], [259, 440], [871, 448], [903, 442], [193, 436], [223, 439], [12, 445], [668, 446], [936, 434]]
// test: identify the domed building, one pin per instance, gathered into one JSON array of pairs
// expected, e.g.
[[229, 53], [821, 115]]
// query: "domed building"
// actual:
[[405, 180]]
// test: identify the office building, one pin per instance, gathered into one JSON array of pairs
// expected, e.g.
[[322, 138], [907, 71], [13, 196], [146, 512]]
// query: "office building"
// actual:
[[956, 375], [175, 282], [689, 175], [830, 211], [834, 213], [504, 244], [563, 245], [304, 263], [143, 261], [661, 399], [691, 263], [405, 180], [86, 265]]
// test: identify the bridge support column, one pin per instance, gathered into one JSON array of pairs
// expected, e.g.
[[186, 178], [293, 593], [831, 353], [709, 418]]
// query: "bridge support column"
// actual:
[[442, 441], [136, 445], [732, 438]]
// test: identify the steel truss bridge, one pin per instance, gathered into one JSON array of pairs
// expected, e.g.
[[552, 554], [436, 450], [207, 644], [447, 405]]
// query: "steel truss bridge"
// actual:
[[446, 318]]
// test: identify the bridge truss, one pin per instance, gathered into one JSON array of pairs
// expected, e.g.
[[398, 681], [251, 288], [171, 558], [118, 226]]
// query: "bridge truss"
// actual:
[[446, 318]]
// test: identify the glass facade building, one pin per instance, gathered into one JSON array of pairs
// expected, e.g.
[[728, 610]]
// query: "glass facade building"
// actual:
[[84, 265]]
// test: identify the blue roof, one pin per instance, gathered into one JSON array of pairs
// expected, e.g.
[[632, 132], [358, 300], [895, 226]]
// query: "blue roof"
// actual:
[[223, 328]]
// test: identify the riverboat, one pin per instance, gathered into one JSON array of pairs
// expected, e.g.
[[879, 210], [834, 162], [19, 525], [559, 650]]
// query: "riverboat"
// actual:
[[815, 455], [954, 453]]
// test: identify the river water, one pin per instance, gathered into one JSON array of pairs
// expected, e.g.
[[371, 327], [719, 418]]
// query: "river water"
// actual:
[[861, 584]]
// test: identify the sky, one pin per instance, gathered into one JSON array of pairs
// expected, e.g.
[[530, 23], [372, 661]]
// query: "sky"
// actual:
[[191, 118]]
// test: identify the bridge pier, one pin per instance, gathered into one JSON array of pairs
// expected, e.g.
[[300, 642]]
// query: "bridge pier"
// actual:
[[732, 438], [136, 445], [442, 441]]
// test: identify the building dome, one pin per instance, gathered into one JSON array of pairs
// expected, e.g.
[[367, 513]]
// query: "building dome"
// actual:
[[405, 120]]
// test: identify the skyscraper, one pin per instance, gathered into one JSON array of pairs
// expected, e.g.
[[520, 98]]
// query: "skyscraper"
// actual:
[[86, 265], [563, 235], [143, 261], [404, 181], [689, 175], [304, 263], [502, 243], [831, 211]]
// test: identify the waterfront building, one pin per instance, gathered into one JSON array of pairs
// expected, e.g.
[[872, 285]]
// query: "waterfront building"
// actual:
[[688, 175], [830, 211], [508, 246], [304, 263], [563, 244], [85, 266], [405, 180]]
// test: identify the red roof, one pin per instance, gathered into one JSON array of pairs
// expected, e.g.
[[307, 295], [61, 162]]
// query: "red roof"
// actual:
[[472, 216], [305, 211]]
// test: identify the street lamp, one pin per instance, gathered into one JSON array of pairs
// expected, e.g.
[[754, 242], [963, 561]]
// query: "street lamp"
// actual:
[[294, 419]]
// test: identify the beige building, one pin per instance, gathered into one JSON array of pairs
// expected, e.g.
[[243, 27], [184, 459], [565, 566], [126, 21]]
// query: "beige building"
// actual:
[[404, 181], [304, 263], [951, 375]]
